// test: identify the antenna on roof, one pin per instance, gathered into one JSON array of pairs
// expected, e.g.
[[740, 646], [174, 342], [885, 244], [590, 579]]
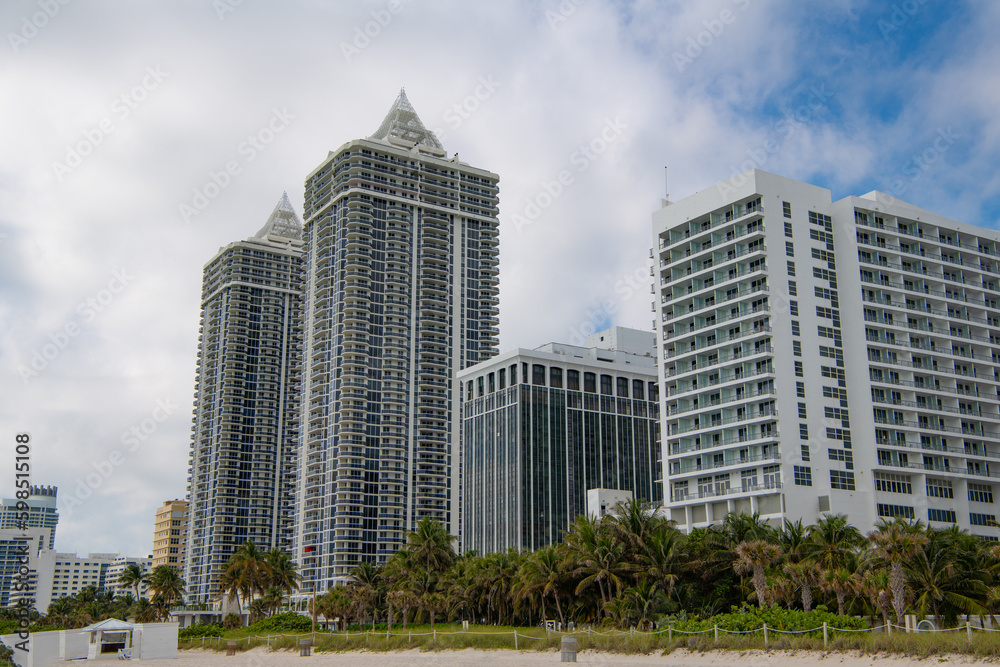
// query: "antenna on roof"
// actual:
[[666, 187]]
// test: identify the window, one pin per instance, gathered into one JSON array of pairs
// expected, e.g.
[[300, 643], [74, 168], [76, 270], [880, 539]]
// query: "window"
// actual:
[[771, 477], [802, 411], [803, 476], [786, 209], [842, 455], [982, 519], [622, 387], [555, 377], [843, 480], [803, 432], [788, 229], [800, 389], [791, 268], [980, 493], [789, 248], [797, 348], [638, 390], [491, 384], [940, 488], [796, 331], [804, 449], [793, 289], [793, 308], [748, 479], [893, 511], [590, 383], [798, 370], [945, 516], [606, 385], [538, 374], [890, 483], [503, 378], [572, 380]]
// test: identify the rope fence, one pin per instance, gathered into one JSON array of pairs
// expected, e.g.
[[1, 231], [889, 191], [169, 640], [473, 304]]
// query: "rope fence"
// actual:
[[669, 631]]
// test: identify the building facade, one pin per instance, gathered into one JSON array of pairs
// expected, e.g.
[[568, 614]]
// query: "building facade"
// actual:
[[544, 428], [169, 534], [821, 356], [245, 431], [402, 284], [19, 548], [41, 512]]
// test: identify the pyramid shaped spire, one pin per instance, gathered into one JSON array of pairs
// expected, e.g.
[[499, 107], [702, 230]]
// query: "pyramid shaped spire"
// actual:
[[283, 221], [402, 122]]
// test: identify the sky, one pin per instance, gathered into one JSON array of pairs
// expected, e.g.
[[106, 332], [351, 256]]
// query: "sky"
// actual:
[[139, 137]]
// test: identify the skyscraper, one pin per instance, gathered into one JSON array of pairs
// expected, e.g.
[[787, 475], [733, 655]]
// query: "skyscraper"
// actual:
[[826, 357], [401, 292], [170, 534], [246, 400], [41, 513]]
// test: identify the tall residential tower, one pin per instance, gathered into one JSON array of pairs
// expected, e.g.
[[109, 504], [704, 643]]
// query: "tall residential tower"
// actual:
[[401, 293], [246, 400], [826, 357]]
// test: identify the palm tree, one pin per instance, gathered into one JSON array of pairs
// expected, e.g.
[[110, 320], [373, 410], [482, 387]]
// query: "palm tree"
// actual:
[[167, 584], [605, 566], [143, 611], [647, 600], [133, 575], [840, 582], [366, 585], [282, 573], [794, 541], [246, 573], [946, 577], [894, 543], [754, 557], [661, 557], [430, 544], [542, 574], [805, 574], [60, 610], [832, 541]]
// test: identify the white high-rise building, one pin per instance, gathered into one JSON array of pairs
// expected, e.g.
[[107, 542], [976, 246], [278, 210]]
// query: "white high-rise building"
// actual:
[[245, 431], [401, 292], [826, 357]]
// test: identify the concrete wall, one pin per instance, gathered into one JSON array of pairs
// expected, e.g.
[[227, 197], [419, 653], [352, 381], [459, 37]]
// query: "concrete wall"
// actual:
[[44, 649], [73, 644]]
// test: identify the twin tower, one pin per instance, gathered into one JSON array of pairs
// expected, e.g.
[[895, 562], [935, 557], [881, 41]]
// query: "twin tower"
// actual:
[[325, 399]]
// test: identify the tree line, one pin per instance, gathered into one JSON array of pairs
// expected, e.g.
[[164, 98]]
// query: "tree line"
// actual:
[[633, 568]]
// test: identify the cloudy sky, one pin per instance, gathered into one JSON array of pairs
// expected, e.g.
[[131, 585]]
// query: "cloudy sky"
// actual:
[[120, 118]]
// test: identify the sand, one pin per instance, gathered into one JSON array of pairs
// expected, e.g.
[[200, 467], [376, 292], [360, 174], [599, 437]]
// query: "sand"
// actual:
[[474, 658]]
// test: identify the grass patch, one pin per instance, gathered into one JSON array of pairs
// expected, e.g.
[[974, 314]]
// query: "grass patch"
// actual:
[[486, 638]]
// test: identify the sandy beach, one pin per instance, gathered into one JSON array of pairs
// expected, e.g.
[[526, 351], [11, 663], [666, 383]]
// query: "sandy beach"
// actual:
[[474, 658]]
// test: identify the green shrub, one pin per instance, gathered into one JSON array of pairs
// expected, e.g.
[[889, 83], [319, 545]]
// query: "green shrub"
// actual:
[[776, 618], [290, 621], [200, 630], [232, 621]]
